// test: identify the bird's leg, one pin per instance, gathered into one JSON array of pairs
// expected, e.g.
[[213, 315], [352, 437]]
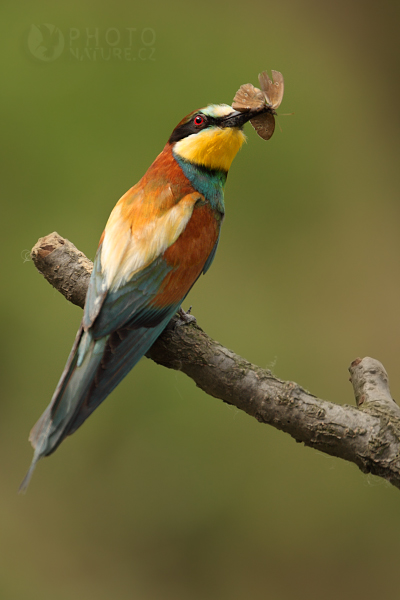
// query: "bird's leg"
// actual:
[[181, 318], [185, 317]]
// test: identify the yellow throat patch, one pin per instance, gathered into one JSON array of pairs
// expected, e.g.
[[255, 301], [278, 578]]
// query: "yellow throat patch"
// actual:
[[214, 148]]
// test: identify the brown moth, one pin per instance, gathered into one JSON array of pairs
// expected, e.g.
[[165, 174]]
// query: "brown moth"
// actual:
[[270, 96]]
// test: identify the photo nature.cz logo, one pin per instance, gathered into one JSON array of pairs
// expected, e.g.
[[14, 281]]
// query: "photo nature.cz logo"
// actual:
[[47, 43]]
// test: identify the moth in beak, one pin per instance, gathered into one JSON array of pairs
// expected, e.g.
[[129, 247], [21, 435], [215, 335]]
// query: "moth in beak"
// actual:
[[259, 104]]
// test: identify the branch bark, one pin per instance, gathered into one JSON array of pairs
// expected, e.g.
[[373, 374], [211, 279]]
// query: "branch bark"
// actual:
[[368, 435]]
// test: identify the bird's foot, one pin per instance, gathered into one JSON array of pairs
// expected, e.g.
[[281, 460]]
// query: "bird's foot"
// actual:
[[185, 317]]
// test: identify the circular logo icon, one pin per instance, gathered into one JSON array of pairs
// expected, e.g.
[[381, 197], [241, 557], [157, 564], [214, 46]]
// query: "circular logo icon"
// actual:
[[45, 42]]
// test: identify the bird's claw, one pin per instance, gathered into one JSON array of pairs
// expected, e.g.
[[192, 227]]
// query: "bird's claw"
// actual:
[[185, 317]]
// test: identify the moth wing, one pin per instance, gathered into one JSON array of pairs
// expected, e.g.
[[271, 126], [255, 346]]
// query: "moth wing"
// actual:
[[248, 97], [273, 90], [264, 125], [279, 87]]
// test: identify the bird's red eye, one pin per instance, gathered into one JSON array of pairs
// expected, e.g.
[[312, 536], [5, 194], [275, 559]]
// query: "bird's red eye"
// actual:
[[198, 120]]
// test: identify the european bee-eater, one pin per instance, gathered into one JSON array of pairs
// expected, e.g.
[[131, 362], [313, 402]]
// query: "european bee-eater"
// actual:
[[160, 237]]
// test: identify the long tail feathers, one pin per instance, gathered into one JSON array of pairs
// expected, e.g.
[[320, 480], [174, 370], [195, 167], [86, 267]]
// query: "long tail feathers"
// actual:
[[74, 384], [94, 368]]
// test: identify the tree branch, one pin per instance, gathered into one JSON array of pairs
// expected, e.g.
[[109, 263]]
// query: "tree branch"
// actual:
[[368, 435]]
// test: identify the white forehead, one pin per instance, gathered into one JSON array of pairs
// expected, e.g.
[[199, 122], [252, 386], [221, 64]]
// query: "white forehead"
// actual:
[[217, 110]]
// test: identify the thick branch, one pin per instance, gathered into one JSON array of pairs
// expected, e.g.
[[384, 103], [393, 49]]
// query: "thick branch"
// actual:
[[368, 435]]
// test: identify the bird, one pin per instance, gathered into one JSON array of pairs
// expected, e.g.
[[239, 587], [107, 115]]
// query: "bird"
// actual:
[[160, 237]]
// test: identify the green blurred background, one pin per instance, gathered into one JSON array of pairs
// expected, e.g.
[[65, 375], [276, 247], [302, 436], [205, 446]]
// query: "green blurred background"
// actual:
[[166, 493]]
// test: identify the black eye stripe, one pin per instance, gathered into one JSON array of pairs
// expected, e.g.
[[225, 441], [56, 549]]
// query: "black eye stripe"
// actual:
[[190, 127]]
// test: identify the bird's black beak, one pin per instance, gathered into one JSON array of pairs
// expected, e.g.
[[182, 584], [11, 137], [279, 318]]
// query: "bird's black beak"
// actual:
[[238, 119]]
